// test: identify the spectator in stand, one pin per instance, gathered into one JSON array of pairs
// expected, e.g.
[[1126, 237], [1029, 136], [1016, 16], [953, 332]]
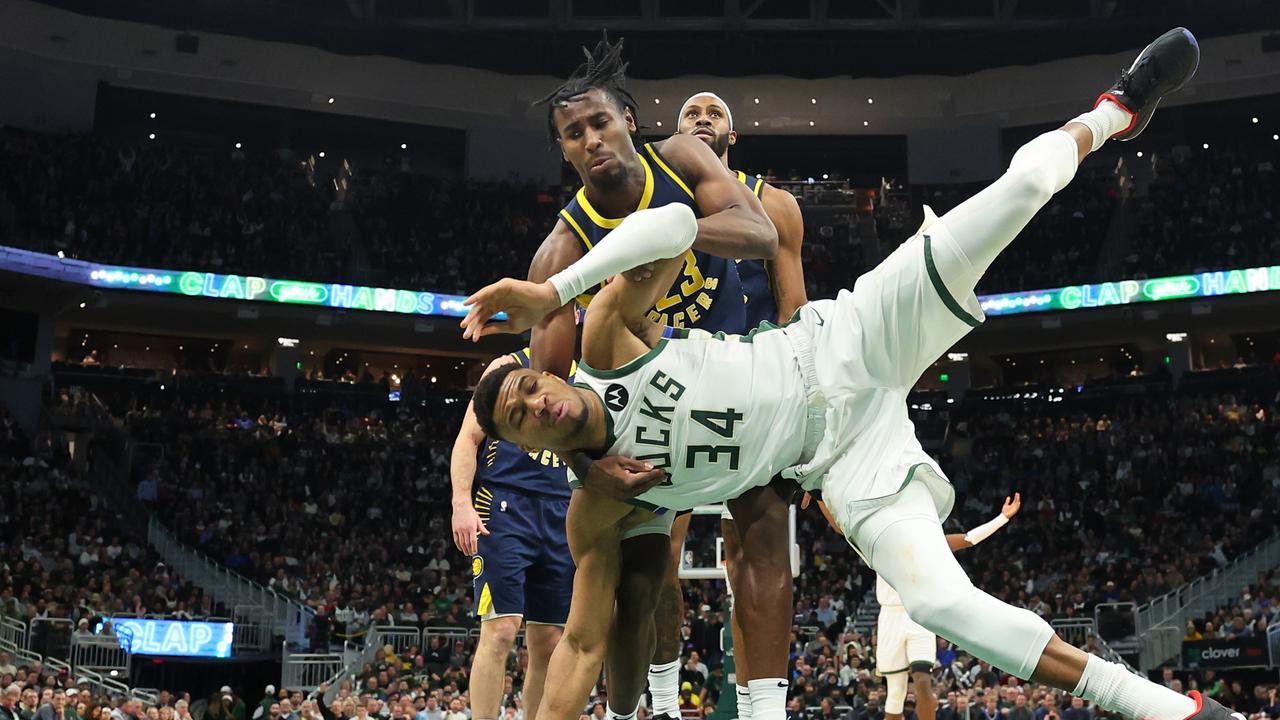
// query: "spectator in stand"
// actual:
[[9, 700]]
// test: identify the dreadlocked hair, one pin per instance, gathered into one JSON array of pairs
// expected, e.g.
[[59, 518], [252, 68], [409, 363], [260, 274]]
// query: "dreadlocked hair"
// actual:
[[604, 70]]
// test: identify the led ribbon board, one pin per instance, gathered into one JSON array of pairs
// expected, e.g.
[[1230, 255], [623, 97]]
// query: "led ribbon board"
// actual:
[[234, 287], [1128, 292], [188, 638], [420, 302]]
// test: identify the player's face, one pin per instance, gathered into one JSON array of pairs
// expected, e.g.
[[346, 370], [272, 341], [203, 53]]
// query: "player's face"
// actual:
[[705, 119], [539, 410], [595, 138]]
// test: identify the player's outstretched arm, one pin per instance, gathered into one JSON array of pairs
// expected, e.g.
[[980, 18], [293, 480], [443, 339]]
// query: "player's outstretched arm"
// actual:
[[960, 541], [467, 525], [645, 236], [788, 269], [733, 224], [592, 525]]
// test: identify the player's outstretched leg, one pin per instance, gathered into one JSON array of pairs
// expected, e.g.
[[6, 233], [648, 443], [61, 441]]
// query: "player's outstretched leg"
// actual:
[[904, 542], [986, 223]]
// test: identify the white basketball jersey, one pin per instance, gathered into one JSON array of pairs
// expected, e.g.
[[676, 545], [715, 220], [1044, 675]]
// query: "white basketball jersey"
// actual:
[[886, 595], [698, 407]]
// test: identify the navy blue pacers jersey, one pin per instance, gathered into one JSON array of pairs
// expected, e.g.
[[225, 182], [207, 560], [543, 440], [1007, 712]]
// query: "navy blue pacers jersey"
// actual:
[[522, 567], [757, 275], [708, 293]]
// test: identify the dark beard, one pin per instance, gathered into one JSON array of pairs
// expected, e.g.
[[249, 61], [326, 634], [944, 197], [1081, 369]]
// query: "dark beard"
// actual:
[[721, 145], [613, 181]]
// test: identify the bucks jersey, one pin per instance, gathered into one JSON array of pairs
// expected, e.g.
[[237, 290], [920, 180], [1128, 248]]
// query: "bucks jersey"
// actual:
[[502, 464], [693, 406], [757, 275], [707, 294]]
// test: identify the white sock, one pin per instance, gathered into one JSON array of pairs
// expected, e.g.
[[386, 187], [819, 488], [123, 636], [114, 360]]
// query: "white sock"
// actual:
[[664, 686], [769, 698], [611, 714], [1104, 121], [744, 702], [1116, 689]]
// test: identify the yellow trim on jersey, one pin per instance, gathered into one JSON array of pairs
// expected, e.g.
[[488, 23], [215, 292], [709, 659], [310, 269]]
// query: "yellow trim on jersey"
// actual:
[[564, 215], [658, 159], [611, 223], [486, 601], [756, 188]]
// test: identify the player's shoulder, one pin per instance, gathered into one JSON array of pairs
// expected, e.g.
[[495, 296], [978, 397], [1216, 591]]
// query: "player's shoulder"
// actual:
[[685, 152]]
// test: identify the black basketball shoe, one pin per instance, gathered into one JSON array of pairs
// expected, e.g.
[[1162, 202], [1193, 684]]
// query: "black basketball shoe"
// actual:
[[1162, 67]]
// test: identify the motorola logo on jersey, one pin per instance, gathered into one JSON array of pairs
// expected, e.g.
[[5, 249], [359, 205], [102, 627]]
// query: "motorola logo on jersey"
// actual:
[[615, 397]]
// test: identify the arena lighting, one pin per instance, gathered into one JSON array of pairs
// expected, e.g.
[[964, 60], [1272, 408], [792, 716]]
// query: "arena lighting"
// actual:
[[176, 637], [659, 123], [1175, 337], [957, 356], [287, 342]]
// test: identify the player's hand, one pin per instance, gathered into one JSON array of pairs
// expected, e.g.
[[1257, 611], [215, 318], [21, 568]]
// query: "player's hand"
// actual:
[[804, 501], [641, 272], [525, 303], [622, 478], [1011, 506], [467, 526]]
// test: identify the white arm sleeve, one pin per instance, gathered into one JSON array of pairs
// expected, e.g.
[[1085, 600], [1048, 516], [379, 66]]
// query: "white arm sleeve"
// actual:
[[986, 529], [643, 237]]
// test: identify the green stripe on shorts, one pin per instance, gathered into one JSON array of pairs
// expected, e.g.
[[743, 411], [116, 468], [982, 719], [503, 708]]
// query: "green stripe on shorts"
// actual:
[[941, 288]]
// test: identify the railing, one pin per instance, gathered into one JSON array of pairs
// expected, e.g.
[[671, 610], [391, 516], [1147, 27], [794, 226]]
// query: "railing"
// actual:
[[399, 637], [1083, 633], [13, 631], [105, 685], [103, 654], [307, 671], [1075, 631], [1273, 643], [1174, 608], [50, 636], [278, 613], [250, 634], [1159, 645]]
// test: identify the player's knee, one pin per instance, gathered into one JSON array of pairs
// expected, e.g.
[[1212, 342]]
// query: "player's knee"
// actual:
[[499, 634], [1030, 182]]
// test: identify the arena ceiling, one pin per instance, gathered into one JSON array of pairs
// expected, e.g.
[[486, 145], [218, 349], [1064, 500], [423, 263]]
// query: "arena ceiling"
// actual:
[[670, 38]]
